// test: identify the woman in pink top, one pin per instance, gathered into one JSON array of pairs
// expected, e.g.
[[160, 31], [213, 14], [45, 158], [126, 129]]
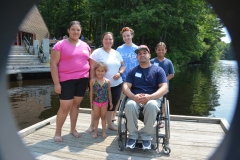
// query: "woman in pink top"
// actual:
[[70, 73]]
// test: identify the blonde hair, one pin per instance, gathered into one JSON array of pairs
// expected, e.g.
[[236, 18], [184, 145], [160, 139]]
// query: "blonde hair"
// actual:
[[161, 44], [100, 64]]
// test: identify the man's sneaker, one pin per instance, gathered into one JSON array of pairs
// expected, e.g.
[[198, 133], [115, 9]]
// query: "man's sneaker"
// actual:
[[131, 143], [146, 144]]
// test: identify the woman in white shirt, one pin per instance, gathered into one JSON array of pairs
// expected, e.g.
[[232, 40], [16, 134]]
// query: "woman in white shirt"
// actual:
[[115, 64]]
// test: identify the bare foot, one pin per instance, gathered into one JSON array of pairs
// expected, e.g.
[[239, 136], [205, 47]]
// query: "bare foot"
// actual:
[[104, 135], [90, 129], [76, 134], [94, 135], [57, 138]]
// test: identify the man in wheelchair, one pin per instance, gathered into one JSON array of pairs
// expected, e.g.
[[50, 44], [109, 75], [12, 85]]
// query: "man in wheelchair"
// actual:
[[144, 86]]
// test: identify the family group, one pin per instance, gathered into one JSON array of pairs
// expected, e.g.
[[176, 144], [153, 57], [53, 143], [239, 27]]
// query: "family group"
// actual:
[[110, 75]]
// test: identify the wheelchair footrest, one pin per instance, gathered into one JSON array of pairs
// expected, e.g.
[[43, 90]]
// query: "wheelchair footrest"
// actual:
[[139, 146]]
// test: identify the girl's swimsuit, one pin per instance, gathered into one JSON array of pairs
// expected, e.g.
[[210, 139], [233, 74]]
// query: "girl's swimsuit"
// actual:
[[100, 93]]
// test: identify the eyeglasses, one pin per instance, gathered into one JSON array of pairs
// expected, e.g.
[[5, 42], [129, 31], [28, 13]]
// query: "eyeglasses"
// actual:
[[125, 29]]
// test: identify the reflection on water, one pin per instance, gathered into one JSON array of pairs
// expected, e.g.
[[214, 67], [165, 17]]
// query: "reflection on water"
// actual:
[[226, 78], [205, 90], [199, 90], [34, 100]]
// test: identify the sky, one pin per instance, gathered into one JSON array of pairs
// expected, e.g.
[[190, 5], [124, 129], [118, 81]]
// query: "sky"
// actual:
[[227, 38]]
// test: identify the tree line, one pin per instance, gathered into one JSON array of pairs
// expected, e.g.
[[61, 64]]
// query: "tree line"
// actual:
[[190, 28]]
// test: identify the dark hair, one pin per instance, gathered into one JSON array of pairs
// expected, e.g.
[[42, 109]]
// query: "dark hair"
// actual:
[[74, 22], [100, 64], [106, 34], [127, 29], [161, 44]]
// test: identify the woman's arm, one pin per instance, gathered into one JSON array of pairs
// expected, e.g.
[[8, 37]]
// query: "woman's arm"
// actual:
[[120, 71], [55, 58], [91, 93], [92, 72], [122, 68]]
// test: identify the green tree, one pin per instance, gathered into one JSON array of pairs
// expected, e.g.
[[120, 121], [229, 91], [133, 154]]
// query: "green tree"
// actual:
[[226, 50], [58, 13], [190, 28]]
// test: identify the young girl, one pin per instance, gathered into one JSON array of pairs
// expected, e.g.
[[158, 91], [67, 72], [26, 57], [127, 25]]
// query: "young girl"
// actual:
[[100, 96]]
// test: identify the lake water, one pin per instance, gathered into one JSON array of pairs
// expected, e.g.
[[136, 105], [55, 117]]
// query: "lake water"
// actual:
[[196, 90], [205, 90]]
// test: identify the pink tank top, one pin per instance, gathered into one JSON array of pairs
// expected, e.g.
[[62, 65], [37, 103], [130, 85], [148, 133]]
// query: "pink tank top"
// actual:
[[73, 62]]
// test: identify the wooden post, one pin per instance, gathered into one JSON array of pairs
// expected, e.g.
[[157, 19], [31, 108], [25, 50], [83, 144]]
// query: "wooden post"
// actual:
[[45, 44], [35, 47]]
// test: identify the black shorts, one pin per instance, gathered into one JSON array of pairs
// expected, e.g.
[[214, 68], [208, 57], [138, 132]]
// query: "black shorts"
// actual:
[[71, 88], [116, 92]]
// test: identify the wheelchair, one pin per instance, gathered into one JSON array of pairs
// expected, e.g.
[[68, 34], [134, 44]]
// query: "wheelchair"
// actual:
[[160, 138]]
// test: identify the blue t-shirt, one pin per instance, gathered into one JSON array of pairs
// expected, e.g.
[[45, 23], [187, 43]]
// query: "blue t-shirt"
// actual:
[[146, 80], [129, 57], [166, 64], [82, 38]]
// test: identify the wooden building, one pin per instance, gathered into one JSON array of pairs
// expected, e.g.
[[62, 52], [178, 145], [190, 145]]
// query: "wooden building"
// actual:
[[32, 27]]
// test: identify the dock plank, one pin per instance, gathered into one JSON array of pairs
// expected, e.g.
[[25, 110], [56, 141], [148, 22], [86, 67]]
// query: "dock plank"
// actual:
[[181, 136], [189, 140], [75, 147]]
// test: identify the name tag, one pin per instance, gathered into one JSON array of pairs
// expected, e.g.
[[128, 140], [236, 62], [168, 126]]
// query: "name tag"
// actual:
[[156, 64], [138, 75]]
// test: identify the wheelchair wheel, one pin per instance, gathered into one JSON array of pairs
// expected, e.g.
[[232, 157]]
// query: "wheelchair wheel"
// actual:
[[167, 120], [122, 122], [121, 118], [166, 149], [120, 145]]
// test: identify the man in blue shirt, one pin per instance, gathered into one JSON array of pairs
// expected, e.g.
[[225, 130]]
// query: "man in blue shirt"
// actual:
[[166, 64], [127, 50], [82, 38], [162, 61], [145, 84]]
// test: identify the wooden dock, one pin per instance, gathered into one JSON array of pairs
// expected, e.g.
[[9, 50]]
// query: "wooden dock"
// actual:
[[193, 138]]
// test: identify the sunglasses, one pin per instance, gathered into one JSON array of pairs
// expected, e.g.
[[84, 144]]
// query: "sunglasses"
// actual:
[[125, 29]]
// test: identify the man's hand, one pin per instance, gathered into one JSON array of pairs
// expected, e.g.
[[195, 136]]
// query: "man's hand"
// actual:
[[144, 98], [141, 98], [137, 98]]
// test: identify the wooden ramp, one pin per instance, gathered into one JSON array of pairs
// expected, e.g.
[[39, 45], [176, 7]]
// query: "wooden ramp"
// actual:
[[192, 138]]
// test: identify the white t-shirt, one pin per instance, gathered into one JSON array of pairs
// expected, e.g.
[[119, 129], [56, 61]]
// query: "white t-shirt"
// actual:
[[112, 60]]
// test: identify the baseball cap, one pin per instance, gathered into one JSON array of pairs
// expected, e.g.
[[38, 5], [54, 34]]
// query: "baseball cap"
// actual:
[[142, 47]]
